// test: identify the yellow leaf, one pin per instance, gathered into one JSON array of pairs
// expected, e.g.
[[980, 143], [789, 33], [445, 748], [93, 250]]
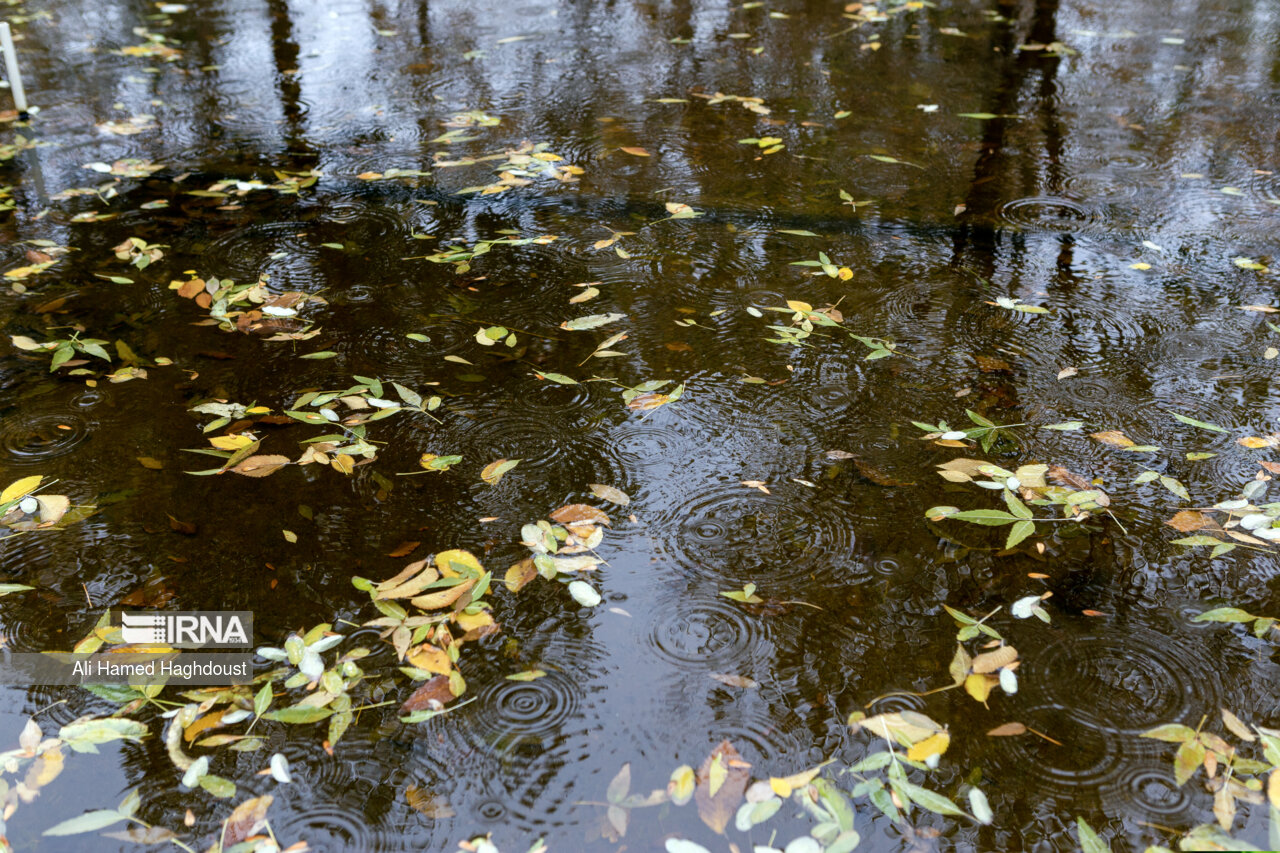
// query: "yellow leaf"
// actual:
[[449, 563], [796, 305], [1253, 442], [342, 462], [1113, 437], [20, 488], [785, 785], [520, 574], [430, 658], [230, 442], [844, 273], [979, 686], [442, 598], [1273, 789], [45, 769], [473, 621], [930, 746]]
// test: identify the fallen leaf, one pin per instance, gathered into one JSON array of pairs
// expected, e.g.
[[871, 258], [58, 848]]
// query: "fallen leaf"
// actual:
[[426, 803], [261, 466], [578, 514], [494, 471], [609, 493], [1189, 520], [1113, 437], [404, 549], [1008, 730], [436, 690], [735, 680], [637, 152], [245, 821], [717, 809]]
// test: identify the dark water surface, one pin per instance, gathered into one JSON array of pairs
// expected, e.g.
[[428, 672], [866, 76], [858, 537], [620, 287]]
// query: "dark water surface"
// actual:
[[1140, 132]]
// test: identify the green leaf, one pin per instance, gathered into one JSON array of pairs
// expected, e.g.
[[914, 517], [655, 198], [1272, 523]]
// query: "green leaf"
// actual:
[[1223, 614], [989, 517], [1195, 423], [978, 115], [797, 232], [87, 822], [1188, 757], [591, 321], [1171, 733], [1016, 506], [930, 800], [1199, 539], [299, 714], [216, 785], [1018, 532], [558, 378], [262, 701], [1065, 426], [319, 356], [1089, 840], [1176, 487]]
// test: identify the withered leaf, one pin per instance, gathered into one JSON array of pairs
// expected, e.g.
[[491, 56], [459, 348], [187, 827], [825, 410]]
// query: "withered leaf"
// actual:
[[717, 810], [404, 549], [579, 513], [1008, 730], [435, 690], [261, 466], [1068, 478], [424, 802], [1189, 520], [248, 817], [991, 661]]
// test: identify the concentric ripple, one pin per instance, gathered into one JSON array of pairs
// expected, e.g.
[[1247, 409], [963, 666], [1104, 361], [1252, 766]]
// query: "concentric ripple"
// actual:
[[1087, 761], [707, 632], [528, 709], [742, 535], [29, 439], [1048, 213], [1134, 679]]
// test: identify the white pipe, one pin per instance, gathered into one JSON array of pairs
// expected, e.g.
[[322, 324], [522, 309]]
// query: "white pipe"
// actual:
[[11, 68]]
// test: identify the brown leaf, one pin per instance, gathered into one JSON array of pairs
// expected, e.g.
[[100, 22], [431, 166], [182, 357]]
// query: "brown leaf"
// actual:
[[248, 817], [404, 549], [579, 513], [735, 680], [432, 805], [989, 364], [1068, 478], [1113, 437], [186, 528], [435, 690], [877, 476], [1189, 520], [634, 151], [157, 591], [1273, 467], [716, 811], [1008, 730], [189, 289], [991, 661], [261, 466]]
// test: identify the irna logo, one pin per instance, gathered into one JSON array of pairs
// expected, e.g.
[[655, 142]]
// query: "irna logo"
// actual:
[[189, 629]]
